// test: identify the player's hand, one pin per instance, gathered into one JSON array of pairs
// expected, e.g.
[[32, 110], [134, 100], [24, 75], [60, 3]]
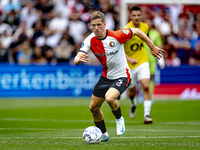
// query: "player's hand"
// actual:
[[157, 52], [133, 61], [83, 57]]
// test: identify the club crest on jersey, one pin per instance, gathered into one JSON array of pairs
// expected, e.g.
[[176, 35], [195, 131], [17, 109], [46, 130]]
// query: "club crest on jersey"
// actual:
[[126, 31], [112, 44]]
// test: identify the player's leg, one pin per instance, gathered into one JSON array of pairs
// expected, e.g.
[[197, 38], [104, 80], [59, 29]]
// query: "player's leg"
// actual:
[[98, 97], [111, 99], [147, 101], [95, 108], [114, 92], [132, 94], [144, 77]]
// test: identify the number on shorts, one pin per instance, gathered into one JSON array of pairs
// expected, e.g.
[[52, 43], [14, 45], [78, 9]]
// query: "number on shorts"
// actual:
[[119, 83]]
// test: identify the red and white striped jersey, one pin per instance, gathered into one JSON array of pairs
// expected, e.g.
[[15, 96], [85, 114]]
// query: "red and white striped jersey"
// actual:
[[110, 52]]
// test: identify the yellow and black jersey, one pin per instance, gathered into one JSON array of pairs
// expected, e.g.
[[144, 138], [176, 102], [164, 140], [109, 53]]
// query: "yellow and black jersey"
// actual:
[[135, 47]]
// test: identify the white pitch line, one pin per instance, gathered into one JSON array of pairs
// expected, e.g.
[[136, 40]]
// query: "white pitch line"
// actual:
[[157, 137], [190, 123], [57, 120], [162, 130], [141, 130]]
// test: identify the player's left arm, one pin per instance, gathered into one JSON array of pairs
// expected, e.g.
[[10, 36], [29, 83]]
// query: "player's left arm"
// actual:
[[155, 51]]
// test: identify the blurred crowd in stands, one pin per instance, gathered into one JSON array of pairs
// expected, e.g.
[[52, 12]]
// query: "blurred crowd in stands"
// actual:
[[52, 31]]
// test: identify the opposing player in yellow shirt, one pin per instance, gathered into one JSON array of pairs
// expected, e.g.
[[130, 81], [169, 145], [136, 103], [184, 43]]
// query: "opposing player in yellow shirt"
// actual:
[[138, 62]]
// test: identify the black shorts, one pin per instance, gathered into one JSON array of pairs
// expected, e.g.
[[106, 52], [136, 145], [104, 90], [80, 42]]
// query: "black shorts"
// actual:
[[102, 86]]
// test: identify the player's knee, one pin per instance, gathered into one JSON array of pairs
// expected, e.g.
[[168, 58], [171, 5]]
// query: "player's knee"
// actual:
[[93, 109], [109, 99], [146, 88], [131, 93]]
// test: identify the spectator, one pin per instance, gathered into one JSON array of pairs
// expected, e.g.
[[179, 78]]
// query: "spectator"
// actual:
[[5, 40], [4, 26], [29, 15], [65, 7], [48, 38], [24, 53], [195, 53], [65, 49], [12, 19], [173, 61], [106, 8], [58, 25], [13, 49], [38, 31], [186, 19], [37, 57], [22, 31], [157, 14], [165, 26], [77, 29], [4, 56], [11, 5], [44, 6], [35, 20], [182, 45], [49, 54]]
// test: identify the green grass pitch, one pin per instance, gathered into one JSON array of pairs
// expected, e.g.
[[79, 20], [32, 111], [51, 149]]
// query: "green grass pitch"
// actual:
[[58, 124]]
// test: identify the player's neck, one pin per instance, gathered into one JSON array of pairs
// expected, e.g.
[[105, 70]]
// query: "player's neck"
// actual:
[[103, 35], [136, 25]]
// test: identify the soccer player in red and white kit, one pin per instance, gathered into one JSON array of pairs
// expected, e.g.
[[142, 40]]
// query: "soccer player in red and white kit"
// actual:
[[108, 47]]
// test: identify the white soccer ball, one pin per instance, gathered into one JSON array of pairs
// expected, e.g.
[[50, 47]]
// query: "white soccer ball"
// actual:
[[92, 135]]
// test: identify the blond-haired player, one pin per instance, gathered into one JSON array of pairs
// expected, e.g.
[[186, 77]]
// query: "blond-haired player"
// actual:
[[108, 47]]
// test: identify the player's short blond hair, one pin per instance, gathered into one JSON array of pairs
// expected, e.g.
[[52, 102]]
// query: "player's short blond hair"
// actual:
[[97, 15]]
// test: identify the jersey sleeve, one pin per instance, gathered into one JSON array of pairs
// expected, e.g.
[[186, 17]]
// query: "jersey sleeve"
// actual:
[[121, 35], [85, 47]]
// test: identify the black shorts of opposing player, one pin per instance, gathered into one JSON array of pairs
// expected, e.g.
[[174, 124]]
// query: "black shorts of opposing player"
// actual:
[[102, 86]]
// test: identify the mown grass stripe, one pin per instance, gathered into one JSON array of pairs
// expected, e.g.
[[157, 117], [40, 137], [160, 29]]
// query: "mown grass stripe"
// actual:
[[142, 130], [144, 137], [57, 120]]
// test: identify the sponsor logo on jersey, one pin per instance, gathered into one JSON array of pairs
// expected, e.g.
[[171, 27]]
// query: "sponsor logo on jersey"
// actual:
[[126, 31], [106, 54], [112, 44]]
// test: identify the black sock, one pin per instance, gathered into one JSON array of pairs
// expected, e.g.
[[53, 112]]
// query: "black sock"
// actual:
[[101, 125], [117, 113], [132, 97]]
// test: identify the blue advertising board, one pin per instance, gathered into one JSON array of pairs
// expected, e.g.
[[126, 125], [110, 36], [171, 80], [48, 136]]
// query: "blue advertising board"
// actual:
[[64, 80], [48, 81]]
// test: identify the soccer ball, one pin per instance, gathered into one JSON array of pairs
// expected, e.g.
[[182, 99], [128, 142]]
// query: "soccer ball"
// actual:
[[92, 135]]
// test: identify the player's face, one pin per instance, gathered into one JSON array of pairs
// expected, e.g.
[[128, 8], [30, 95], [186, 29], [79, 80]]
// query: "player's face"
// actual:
[[99, 28], [136, 16]]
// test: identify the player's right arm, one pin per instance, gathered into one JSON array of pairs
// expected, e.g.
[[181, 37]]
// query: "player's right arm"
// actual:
[[81, 57], [82, 53]]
